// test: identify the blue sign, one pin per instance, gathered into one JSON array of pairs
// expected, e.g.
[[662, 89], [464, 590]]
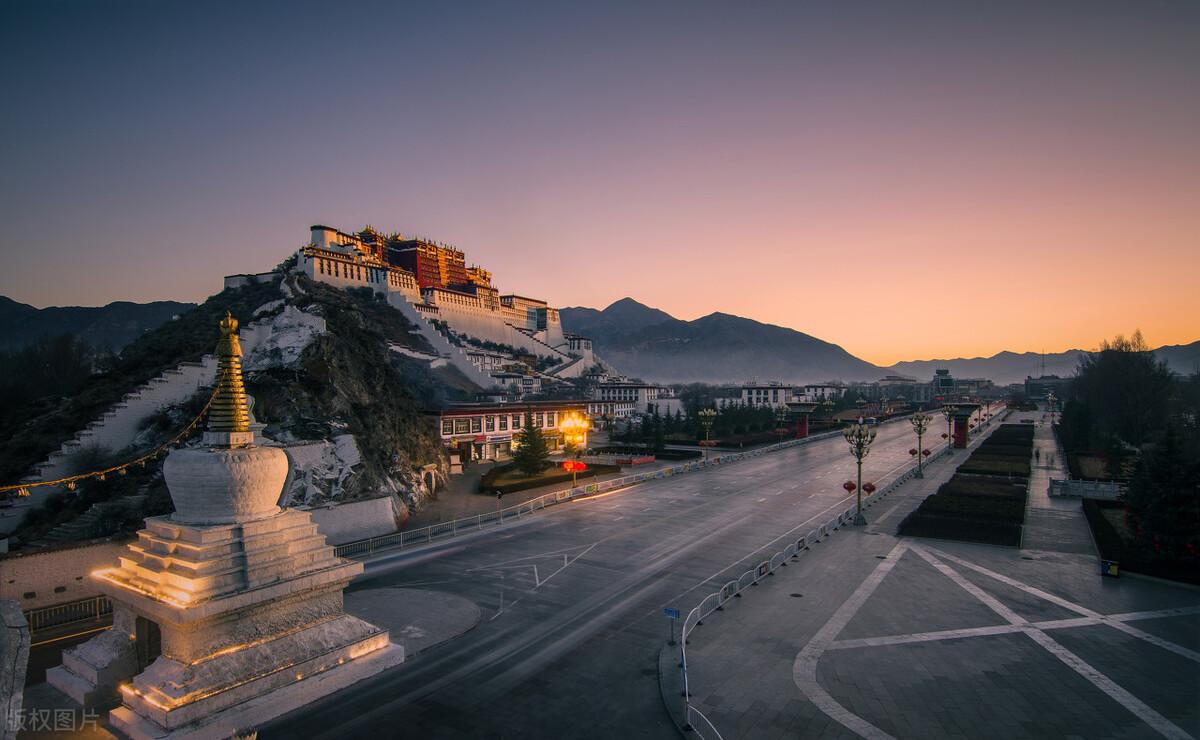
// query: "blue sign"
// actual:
[[672, 613]]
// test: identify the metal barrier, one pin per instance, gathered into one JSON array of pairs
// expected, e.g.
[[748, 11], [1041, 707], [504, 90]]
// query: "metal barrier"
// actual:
[[700, 725], [733, 589], [85, 610]]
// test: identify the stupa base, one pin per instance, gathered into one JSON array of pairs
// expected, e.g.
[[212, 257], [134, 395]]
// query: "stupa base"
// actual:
[[256, 709]]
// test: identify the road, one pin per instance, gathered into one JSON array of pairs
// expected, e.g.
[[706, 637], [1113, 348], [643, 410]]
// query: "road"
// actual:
[[572, 601]]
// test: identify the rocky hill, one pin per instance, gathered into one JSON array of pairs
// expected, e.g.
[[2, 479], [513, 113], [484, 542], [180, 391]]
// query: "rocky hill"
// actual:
[[332, 383], [104, 327], [719, 348]]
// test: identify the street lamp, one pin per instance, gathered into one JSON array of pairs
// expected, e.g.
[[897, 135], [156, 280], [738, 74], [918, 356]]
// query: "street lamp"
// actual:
[[781, 415], [920, 423], [860, 436], [1050, 399], [707, 417], [948, 412], [574, 431]]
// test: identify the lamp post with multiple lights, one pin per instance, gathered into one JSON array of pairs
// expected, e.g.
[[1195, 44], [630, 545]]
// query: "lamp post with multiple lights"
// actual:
[[859, 436], [948, 412], [781, 416], [707, 417], [920, 423]]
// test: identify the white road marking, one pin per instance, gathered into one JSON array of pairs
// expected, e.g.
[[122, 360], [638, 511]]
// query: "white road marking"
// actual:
[[1059, 601], [804, 669], [1136, 706]]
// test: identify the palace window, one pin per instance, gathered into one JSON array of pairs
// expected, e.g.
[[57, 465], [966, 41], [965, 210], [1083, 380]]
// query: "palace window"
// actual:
[[462, 426], [489, 424], [516, 421], [447, 426], [550, 419], [504, 423], [476, 424]]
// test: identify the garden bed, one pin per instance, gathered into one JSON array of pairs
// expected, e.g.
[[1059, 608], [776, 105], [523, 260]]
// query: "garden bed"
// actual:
[[984, 501], [507, 479]]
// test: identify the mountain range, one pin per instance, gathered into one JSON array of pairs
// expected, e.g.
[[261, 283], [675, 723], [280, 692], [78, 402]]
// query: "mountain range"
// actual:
[[718, 348], [112, 326], [651, 344]]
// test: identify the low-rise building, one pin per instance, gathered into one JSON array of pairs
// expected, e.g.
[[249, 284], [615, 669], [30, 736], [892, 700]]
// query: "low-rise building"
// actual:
[[600, 411], [771, 393], [1037, 388], [817, 392], [518, 384], [487, 360], [485, 431]]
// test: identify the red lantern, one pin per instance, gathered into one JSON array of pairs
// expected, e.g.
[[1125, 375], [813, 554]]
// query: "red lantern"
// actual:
[[868, 488], [912, 451], [574, 466], [926, 453], [849, 485], [944, 435]]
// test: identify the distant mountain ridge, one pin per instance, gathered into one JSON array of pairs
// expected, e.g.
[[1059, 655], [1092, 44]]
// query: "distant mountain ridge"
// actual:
[[112, 326], [1006, 367], [718, 348], [649, 343]]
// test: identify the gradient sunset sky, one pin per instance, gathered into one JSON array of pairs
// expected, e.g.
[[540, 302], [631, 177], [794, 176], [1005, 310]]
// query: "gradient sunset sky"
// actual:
[[908, 180]]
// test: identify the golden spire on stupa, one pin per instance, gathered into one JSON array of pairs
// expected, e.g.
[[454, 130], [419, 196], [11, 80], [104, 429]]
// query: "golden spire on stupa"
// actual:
[[229, 412]]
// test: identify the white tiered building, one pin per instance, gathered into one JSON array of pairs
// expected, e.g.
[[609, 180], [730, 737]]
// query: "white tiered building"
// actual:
[[431, 284]]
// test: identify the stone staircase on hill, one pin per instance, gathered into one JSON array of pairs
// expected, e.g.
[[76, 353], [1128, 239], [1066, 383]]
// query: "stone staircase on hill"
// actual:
[[455, 355], [90, 524], [117, 428], [569, 369]]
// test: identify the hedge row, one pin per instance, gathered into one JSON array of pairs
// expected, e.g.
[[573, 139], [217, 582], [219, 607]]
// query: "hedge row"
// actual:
[[980, 502], [487, 484], [918, 524]]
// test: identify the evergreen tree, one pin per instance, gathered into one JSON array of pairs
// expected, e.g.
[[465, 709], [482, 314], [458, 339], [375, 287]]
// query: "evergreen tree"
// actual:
[[659, 440], [531, 456], [1164, 502]]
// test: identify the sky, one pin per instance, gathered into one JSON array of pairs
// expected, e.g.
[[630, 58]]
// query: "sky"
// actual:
[[907, 180]]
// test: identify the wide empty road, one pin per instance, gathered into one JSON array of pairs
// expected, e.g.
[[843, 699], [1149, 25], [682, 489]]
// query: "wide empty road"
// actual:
[[572, 600]]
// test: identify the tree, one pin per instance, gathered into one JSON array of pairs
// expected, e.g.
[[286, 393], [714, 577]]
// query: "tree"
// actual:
[[659, 440], [1164, 502], [1121, 391], [531, 456]]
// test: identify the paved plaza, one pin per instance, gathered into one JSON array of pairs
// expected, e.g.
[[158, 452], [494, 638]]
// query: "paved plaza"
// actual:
[[872, 635]]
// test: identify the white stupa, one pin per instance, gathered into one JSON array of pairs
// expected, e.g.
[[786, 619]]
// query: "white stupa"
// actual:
[[228, 612]]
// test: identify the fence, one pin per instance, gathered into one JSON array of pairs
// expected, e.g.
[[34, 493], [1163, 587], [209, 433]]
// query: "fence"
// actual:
[[1097, 489], [90, 609], [407, 538], [765, 568], [792, 550]]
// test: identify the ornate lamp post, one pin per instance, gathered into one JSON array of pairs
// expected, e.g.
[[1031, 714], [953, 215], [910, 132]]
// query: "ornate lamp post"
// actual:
[[860, 436], [948, 412], [920, 423], [574, 430], [707, 417], [1050, 402]]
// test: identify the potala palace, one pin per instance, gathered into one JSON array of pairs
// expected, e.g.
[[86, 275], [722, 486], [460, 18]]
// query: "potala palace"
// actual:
[[472, 325]]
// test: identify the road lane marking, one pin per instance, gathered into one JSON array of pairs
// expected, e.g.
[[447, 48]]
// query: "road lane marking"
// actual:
[[1136, 706], [1117, 624], [804, 668]]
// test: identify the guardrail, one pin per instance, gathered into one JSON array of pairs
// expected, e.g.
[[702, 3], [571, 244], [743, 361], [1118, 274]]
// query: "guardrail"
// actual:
[[1097, 489], [85, 610], [410, 537], [765, 568]]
